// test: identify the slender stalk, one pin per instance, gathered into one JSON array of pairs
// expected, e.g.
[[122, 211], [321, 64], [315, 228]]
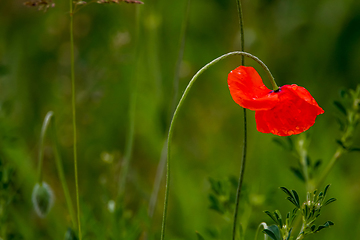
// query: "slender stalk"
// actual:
[[241, 178], [41, 149], [301, 234], [162, 162], [243, 159], [302, 151], [74, 116], [242, 36], [49, 120], [180, 56], [336, 156], [61, 174], [171, 129], [132, 115]]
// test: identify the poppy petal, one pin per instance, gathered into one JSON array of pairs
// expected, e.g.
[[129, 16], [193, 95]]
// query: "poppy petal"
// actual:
[[295, 113], [248, 90]]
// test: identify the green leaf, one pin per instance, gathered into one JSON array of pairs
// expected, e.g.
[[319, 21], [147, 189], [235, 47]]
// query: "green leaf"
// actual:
[[280, 143], [271, 216], [341, 144], [341, 123], [273, 232], [199, 236], [326, 189], [354, 149], [343, 93], [317, 164], [288, 237], [340, 107], [293, 197], [296, 196], [329, 201], [298, 173], [326, 225], [270, 234], [214, 204], [306, 211], [214, 185], [279, 217], [286, 191]]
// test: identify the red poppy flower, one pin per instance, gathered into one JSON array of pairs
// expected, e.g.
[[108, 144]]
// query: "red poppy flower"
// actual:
[[284, 112]]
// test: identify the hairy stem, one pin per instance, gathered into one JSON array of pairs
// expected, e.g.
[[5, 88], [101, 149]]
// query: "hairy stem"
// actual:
[[171, 129], [74, 116], [243, 159], [242, 36]]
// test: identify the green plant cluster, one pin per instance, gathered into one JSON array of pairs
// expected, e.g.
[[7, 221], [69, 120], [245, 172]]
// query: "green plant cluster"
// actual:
[[309, 211]]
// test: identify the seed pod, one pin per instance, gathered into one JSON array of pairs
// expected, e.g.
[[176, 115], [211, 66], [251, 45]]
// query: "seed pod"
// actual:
[[42, 199]]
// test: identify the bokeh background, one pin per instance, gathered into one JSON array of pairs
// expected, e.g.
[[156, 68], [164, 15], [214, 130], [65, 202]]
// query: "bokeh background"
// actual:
[[315, 44]]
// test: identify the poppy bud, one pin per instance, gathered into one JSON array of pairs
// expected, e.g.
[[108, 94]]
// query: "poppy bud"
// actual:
[[42, 199]]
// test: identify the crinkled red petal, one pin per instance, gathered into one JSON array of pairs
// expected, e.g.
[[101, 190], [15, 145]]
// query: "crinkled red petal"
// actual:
[[295, 113], [248, 90]]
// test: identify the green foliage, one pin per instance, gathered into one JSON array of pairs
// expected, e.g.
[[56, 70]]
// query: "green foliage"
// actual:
[[222, 196], [349, 106], [309, 211]]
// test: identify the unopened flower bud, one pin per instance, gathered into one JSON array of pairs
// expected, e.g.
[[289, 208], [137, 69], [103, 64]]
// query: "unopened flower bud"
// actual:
[[42, 199]]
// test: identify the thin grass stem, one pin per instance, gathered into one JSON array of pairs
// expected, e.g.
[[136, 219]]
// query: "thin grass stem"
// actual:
[[50, 120], [132, 114], [162, 162], [73, 104]]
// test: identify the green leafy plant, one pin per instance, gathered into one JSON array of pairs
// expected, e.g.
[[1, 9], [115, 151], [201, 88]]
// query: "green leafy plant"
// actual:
[[309, 211]]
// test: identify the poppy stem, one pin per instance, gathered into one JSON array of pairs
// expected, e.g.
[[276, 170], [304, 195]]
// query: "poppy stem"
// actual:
[[175, 115], [241, 24], [74, 116], [243, 159]]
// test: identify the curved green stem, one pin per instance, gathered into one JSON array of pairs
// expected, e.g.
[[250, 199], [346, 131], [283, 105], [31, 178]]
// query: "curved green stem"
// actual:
[[47, 121], [74, 115], [263, 224], [181, 102], [41, 147]]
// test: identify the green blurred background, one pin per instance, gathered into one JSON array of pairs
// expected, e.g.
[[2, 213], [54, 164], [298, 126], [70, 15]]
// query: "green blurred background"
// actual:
[[315, 44]]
